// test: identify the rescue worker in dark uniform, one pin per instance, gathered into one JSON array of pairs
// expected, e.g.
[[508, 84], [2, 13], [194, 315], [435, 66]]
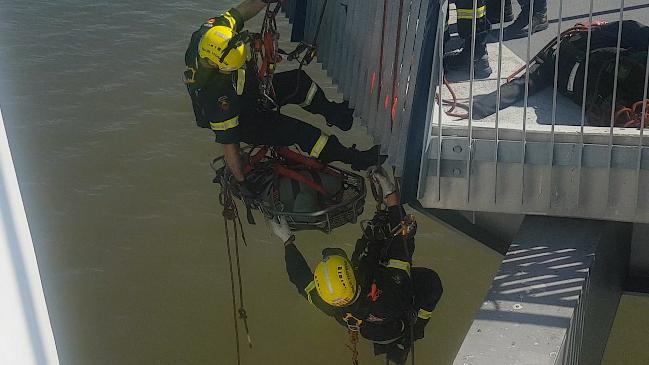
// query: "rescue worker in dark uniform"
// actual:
[[376, 293], [461, 61], [225, 94]]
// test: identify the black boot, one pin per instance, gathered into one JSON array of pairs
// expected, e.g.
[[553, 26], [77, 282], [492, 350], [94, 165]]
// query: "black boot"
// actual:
[[520, 27], [359, 160], [340, 115], [493, 11], [462, 61], [336, 114]]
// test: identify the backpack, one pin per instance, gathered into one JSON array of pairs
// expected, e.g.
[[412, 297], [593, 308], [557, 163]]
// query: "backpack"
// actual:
[[601, 71], [602, 56]]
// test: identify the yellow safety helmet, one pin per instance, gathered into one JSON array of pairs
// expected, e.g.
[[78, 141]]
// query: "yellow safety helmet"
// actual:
[[214, 44], [334, 278]]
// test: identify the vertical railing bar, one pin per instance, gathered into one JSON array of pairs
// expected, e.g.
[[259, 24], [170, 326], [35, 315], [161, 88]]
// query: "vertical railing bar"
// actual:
[[583, 102], [640, 139], [343, 42], [418, 33], [586, 67], [611, 132], [424, 163], [412, 33], [440, 42], [350, 35], [312, 30], [373, 124], [554, 102], [360, 89], [498, 92], [392, 127], [474, 27], [526, 101], [418, 24], [344, 64], [372, 60], [400, 96], [382, 118], [414, 65], [354, 53]]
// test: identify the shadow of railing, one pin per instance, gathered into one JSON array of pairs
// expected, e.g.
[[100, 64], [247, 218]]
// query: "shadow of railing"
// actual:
[[538, 276]]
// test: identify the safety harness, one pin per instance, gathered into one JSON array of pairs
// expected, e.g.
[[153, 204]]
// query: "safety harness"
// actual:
[[266, 54]]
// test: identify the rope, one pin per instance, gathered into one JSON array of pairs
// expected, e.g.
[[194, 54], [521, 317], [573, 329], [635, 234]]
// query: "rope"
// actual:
[[234, 304], [243, 315], [231, 213], [353, 345], [576, 29], [631, 117], [452, 102]]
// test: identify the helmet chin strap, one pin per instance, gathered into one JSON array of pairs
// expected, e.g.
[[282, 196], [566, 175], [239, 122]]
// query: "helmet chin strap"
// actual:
[[358, 294], [235, 42]]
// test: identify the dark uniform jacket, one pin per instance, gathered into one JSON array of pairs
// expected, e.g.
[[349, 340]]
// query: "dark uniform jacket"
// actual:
[[385, 303], [220, 99]]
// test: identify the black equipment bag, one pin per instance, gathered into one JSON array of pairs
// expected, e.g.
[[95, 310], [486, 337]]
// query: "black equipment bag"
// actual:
[[572, 67]]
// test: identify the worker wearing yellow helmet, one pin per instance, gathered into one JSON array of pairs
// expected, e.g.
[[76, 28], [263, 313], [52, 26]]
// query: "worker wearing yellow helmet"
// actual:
[[215, 47], [225, 93], [376, 293]]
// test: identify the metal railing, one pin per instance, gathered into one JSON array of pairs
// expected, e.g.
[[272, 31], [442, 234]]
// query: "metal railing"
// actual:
[[539, 156], [372, 51], [517, 165]]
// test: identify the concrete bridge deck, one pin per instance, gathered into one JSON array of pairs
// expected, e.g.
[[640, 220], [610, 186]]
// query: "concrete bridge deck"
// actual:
[[539, 112]]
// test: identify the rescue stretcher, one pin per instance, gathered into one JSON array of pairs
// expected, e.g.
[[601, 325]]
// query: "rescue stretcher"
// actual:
[[309, 194]]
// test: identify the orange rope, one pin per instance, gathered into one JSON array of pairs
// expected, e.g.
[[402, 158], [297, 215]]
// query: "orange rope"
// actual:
[[632, 117], [577, 28], [452, 102]]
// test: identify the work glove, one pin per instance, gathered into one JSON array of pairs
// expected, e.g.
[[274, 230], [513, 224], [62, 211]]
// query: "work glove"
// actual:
[[244, 190], [281, 229], [380, 177], [418, 328]]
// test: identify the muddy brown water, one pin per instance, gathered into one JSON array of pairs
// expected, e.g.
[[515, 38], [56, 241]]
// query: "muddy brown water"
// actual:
[[124, 216]]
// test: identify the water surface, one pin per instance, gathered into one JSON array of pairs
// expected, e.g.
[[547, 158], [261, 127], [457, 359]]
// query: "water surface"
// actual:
[[124, 216]]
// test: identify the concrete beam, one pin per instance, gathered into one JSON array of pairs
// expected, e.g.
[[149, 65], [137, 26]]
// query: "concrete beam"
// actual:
[[556, 294]]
